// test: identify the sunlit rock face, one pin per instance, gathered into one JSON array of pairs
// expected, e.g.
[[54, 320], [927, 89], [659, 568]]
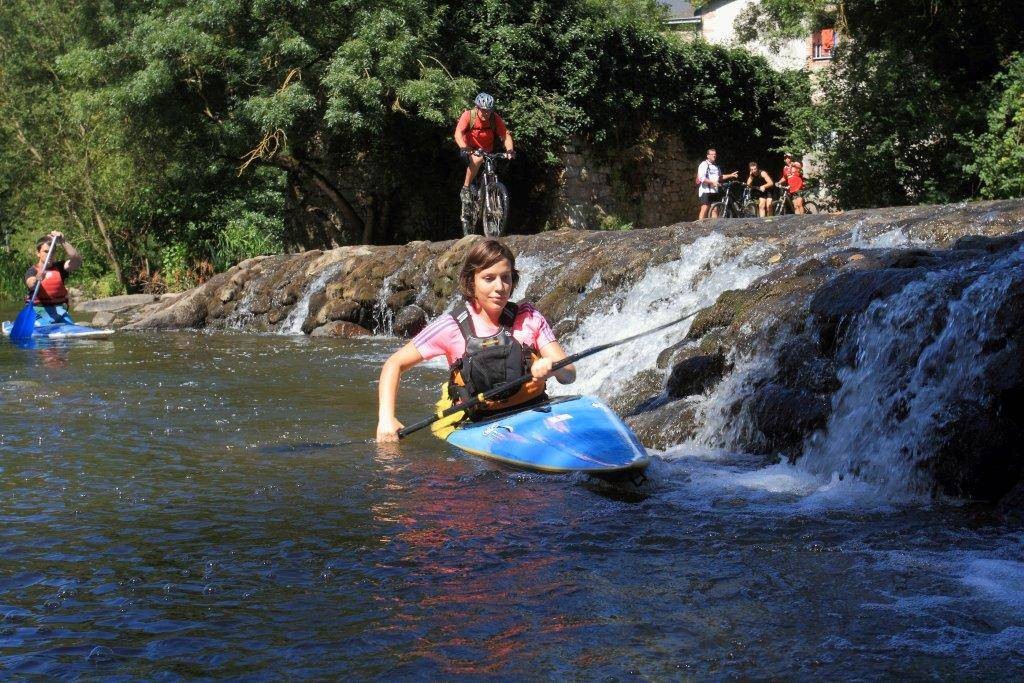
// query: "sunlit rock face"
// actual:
[[880, 344]]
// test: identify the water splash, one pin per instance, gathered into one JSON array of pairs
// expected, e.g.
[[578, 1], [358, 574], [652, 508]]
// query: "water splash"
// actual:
[[705, 269], [383, 316], [241, 317], [292, 324], [916, 357]]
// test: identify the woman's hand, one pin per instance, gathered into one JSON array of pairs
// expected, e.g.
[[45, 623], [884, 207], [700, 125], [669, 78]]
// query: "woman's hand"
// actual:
[[541, 368], [387, 430]]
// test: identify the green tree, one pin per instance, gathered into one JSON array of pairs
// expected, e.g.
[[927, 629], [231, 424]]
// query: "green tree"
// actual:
[[906, 93], [999, 151]]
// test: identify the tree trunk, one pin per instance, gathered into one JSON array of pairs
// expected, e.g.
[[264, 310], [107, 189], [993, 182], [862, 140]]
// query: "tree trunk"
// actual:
[[305, 169]]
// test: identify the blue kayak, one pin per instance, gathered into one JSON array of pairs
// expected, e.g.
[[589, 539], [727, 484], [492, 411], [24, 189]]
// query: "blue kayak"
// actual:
[[564, 434], [61, 331]]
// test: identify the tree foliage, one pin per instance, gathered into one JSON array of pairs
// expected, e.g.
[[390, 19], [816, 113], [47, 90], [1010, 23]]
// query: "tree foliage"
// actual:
[[906, 96], [999, 151], [172, 133]]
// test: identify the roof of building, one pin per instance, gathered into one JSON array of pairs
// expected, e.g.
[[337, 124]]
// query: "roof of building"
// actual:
[[678, 10]]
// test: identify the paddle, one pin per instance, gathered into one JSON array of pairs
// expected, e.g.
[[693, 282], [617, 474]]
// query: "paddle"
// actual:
[[513, 383], [25, 323]]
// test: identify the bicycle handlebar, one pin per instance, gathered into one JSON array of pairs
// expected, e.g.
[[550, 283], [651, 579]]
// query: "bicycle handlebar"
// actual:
[[491, 155]]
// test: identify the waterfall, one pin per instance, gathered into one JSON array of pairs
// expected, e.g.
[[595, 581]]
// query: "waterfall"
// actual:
[[915, 357], [292, 324], [705, 269], [383, 316], [240, 318]]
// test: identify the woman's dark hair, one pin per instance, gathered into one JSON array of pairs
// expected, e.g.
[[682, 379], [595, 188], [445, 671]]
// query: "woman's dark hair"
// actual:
[[482, 255], [45, 239]]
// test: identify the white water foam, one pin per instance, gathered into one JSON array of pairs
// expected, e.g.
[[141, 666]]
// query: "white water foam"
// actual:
[[916, 356], [704, 270], [382, 313], [292, 324]]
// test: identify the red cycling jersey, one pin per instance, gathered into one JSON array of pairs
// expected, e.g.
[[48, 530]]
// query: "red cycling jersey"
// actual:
[[481, 134], [793, 179]]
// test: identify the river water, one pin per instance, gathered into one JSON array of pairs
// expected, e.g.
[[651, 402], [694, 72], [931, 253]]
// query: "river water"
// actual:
[[189, 504]]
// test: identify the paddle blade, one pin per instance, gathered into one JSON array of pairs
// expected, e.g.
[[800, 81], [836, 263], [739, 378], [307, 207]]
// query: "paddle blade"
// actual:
[[24, 324]]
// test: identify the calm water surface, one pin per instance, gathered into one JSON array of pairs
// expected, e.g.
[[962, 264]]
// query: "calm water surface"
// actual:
[[177, 505]]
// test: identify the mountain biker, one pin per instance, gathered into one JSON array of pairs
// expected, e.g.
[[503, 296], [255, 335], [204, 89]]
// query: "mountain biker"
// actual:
[[476, 130], [760, 183], [793, 180], [709, 178]]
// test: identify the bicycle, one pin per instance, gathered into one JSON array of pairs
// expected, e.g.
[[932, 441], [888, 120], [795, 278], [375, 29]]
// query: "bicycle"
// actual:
[[491, 201], [733, 206], [784, 203]]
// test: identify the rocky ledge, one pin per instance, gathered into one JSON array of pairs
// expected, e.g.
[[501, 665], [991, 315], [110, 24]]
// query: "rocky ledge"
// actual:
[[921, 305]]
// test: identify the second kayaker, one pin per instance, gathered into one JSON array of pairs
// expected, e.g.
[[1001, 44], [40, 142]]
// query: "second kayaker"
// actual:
[[487, 340], [51, 302]]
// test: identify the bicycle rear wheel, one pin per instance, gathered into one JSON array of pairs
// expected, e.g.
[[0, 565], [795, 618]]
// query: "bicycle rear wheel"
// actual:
[[495, 209], [810, 207], [718, 210]]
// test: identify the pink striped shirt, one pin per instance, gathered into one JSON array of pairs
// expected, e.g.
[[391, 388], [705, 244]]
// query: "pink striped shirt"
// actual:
[[444, 337]]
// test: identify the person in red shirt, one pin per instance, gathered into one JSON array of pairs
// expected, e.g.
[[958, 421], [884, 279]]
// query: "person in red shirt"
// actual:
[[51, 303], [477, 129], [793, 180]]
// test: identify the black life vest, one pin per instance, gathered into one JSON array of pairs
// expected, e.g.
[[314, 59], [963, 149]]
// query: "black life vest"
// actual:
[[490, 361]]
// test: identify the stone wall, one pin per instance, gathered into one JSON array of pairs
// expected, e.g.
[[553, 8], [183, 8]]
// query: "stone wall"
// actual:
[[647, 187]]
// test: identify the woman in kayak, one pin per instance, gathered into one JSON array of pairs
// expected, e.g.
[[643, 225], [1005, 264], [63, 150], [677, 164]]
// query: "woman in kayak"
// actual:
[[487, 341]]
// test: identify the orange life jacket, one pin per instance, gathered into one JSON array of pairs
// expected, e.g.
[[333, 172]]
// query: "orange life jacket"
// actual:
[[52, 292]]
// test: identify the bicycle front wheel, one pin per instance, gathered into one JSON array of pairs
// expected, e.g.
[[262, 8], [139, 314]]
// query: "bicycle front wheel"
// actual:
[[495, 209]]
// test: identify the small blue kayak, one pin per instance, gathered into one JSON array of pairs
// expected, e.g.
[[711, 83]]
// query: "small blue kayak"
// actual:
[[61, 331], [564, 434]]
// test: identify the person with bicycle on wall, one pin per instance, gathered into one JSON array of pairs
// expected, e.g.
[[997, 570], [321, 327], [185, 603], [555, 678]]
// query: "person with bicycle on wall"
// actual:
[[476, 130], [792, 181], [709, 178], [760, 184]]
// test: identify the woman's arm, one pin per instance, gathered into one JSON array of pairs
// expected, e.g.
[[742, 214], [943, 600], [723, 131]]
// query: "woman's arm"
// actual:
[[551, 353], [387, 389]]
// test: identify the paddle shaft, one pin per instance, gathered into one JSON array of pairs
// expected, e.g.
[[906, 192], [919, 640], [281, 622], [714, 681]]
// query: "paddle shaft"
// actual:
[[41, 275], [518, 381]]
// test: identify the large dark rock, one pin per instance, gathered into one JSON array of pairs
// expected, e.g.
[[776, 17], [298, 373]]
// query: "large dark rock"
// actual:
[[695, 375], [785, 416], [410, 321], [342, 329]]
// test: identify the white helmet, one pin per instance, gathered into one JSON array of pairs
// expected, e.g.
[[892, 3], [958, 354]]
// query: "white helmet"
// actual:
[[484, 101]]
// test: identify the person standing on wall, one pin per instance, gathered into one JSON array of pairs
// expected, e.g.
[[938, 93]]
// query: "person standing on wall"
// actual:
[[760, 183], [709, 178], [792, 178], [476, 130]]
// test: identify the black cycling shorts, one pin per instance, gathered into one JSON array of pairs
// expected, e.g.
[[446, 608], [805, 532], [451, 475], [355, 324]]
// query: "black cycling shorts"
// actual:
[[709, 198]]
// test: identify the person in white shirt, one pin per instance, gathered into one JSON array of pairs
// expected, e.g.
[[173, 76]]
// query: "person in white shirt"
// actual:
[[709, 178]]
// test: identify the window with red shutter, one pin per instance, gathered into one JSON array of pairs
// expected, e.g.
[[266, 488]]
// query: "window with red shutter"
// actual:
[[822, 43]]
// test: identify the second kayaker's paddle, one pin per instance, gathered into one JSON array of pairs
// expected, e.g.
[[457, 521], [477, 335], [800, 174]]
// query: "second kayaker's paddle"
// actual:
[[25, 323], [513, 383]]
